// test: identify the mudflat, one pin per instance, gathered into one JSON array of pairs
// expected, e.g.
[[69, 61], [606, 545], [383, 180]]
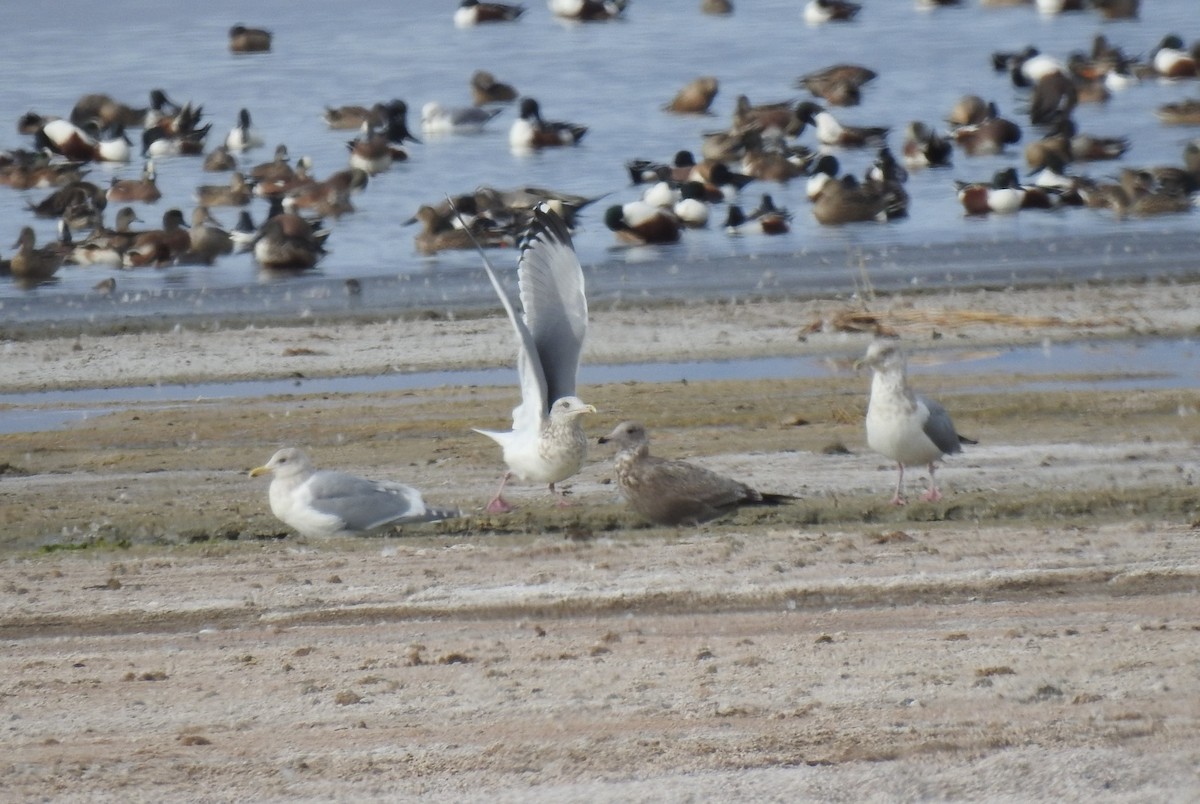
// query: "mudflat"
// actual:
[[1034, 635]]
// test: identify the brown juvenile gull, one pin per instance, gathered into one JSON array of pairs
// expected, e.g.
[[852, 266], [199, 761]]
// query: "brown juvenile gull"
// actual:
[[323, 503], [547, 443], [902, 425], [676, 492]]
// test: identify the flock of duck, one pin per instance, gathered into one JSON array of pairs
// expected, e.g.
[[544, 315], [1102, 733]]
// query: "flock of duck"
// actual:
[[764, 142]]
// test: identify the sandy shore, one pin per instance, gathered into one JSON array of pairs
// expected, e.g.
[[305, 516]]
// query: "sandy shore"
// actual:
[[1034, 636]]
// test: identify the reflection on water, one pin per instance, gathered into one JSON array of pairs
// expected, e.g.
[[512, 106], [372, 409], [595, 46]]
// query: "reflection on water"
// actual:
[[1097, 366], [612, 77]]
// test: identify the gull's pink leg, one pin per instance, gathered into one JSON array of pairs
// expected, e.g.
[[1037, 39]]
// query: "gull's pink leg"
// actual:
[[563, 502], [498, 505], [931, 494], [898, 497]]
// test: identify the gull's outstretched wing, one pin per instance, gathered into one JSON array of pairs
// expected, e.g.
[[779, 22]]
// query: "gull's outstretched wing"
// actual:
[[527, 416], [552, 295]]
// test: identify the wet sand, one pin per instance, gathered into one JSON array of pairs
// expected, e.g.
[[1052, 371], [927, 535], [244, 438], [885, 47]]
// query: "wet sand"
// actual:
[[1033, 636]]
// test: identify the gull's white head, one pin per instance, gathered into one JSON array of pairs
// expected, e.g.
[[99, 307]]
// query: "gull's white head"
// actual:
[[287, 462], [882, 355], [568, 407]]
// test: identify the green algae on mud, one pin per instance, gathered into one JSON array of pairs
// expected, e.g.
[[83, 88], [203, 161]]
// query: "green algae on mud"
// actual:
[[155, 474]]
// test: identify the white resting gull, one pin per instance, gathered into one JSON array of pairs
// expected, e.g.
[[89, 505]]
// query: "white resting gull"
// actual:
[[902, 425], [676, 492], [547, 443], [323, 503]]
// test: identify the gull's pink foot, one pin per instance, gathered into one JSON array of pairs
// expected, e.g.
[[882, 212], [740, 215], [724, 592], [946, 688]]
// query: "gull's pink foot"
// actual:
[[931, 495], [499, 505], [898, 500]]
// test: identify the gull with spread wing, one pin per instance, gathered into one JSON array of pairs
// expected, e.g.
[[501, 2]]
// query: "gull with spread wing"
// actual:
[[547, 443]]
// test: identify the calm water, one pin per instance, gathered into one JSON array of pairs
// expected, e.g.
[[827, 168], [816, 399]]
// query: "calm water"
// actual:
[[612, 77], [1104, 365]]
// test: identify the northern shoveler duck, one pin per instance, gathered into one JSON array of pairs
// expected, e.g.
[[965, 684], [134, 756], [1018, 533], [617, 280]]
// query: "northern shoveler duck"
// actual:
[[729, 145], [766, 219], [530, 131], [885, 168], [486, 89], [638, 223], [243, 137], [293, 182], [278, 169], [692, 207], [924, 147], [521, 203], [818, 12], [588, 10], [208, 239], [25, 170], [777, 161], [689, 201], [1064, 142], [779, 116], [1117, 9], [721, 182], [237, 193], [473, 12], [70, 195], [1026, 67], [642, 171], [395, 124], [288, 241], [1003, 195], [1053, 96], [107, 246], [1180, 113], [988, 137], [249, 40], [77, 144], [31, 122], [32, 265], [825, 169], [180, 135], [839, 85], [106, 112], [1050, 7], [1171, 60], [352, 116], [437, 119], [970, 110], [219, 160], [144, 190], [243, 232], [696, 97], [845, 200], [350, 180], [159, 247], [442, 233], [833, 133], [373, 152], [177, 121]]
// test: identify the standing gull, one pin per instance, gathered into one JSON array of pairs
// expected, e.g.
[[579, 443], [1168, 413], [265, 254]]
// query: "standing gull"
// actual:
[[323, 503], [675, 492], [902, 425], [547, 443]]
